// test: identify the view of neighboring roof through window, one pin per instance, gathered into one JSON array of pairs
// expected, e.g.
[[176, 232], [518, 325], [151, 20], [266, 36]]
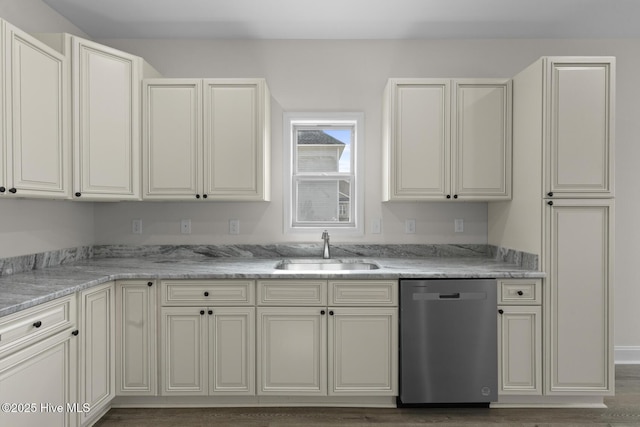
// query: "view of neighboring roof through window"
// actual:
[[323, 178]]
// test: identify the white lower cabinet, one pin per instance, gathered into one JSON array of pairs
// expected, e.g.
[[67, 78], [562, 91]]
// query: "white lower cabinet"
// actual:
[[97, 343], [39, 366], [520, 350], [292, 356], [207, 338], [520, 337], [320, 350], [208, 351], [136, 352]]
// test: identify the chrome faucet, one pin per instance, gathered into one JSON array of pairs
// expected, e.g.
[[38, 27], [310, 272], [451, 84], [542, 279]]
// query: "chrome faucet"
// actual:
[[325, 250]]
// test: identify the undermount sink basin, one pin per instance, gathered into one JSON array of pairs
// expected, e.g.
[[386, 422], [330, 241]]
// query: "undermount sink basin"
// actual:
[[325, 265]]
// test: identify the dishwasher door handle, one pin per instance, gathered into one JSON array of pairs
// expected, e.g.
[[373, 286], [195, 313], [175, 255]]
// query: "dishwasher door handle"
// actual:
[[450, 296]]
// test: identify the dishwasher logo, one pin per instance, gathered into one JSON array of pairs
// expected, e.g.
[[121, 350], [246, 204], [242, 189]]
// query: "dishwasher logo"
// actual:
[[486, 391]]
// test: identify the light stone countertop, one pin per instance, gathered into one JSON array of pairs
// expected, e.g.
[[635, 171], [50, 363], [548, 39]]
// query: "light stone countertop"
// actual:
[[27, 289]]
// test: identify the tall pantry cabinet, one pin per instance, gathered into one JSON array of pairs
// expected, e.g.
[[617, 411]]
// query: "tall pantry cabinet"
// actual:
[[563, 211]]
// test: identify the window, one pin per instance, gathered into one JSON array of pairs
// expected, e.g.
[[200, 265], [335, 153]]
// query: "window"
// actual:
[[324, 189]]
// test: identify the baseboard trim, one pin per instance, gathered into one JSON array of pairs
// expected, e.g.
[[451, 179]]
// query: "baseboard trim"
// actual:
[[627, 355]]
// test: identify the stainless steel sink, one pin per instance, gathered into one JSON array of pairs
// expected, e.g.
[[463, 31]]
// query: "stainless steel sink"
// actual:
[[325, 265]]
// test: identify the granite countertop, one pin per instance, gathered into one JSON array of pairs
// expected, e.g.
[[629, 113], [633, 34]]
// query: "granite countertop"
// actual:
[[26, 289]]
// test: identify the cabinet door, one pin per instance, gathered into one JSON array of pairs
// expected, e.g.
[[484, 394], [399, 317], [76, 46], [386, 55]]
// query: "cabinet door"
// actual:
[[106, 90], [4, 138], [481, 139], [292, 351], [38, 132], [520, 350], [579, 265], [232, 351], [44, 377], [419, 146], [172, 139], [581, 127], [136, 354], [363, 351], [97, 356], [184, 351], [235, 139]]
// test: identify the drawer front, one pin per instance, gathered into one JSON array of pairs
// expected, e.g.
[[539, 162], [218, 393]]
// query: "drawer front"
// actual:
[[363, 292], [208, 292], [292, 292], [36, 323], [520, 292]]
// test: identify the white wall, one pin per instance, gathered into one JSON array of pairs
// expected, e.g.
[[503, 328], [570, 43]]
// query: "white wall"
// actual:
[[350, 75], [31, 226]]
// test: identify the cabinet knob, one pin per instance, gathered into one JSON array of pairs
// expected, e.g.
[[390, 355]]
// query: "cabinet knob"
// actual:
[[206, 294], [37, 324], [12, 190], [210, 312], [448, 196], [201, 312], [197, 196], [520, 293], [322, 312], [2, 189], [455, 196], [75, 333], [331, 312], [204, 196], [550, 203], [550, 194], [78, 194], [149, 283], [501, 311]]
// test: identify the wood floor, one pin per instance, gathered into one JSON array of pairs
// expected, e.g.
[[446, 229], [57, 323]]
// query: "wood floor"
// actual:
[[623, 411]]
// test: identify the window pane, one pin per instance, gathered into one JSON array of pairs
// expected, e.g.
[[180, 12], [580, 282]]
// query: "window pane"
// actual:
[[327, 150], [323, 201]]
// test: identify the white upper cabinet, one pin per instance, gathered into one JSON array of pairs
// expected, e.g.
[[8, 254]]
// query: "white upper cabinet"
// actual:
[[35, 156], [106, 121], [447, 139], [580, 112], [481, 139], [172, 139], [206, 139]]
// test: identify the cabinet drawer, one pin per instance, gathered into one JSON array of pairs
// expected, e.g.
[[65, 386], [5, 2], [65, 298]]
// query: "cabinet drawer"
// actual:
[[363, 292], [520, 291], [207, 292], [36, 323], [292, 292]]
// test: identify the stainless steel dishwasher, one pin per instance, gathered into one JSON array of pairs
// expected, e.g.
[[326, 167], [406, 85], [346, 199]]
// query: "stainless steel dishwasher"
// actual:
[[448, 341]]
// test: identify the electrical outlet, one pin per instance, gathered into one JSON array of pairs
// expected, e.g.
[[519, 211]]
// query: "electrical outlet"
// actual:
[[410, 226], [458, 225], [234, 226], [376, 226], [136, 226], [185, 226]]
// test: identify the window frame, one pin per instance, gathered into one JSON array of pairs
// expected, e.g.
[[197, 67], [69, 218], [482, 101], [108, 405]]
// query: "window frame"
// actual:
[[314, 120]]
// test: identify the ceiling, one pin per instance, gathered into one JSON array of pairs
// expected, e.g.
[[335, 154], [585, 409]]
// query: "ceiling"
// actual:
[[353, 19]]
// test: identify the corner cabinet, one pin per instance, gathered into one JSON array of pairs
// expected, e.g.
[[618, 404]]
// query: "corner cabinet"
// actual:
[[136, 341], [106, 130], [34, 118], [206, 139], [97, 342], [346, 348], [447, 139]]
